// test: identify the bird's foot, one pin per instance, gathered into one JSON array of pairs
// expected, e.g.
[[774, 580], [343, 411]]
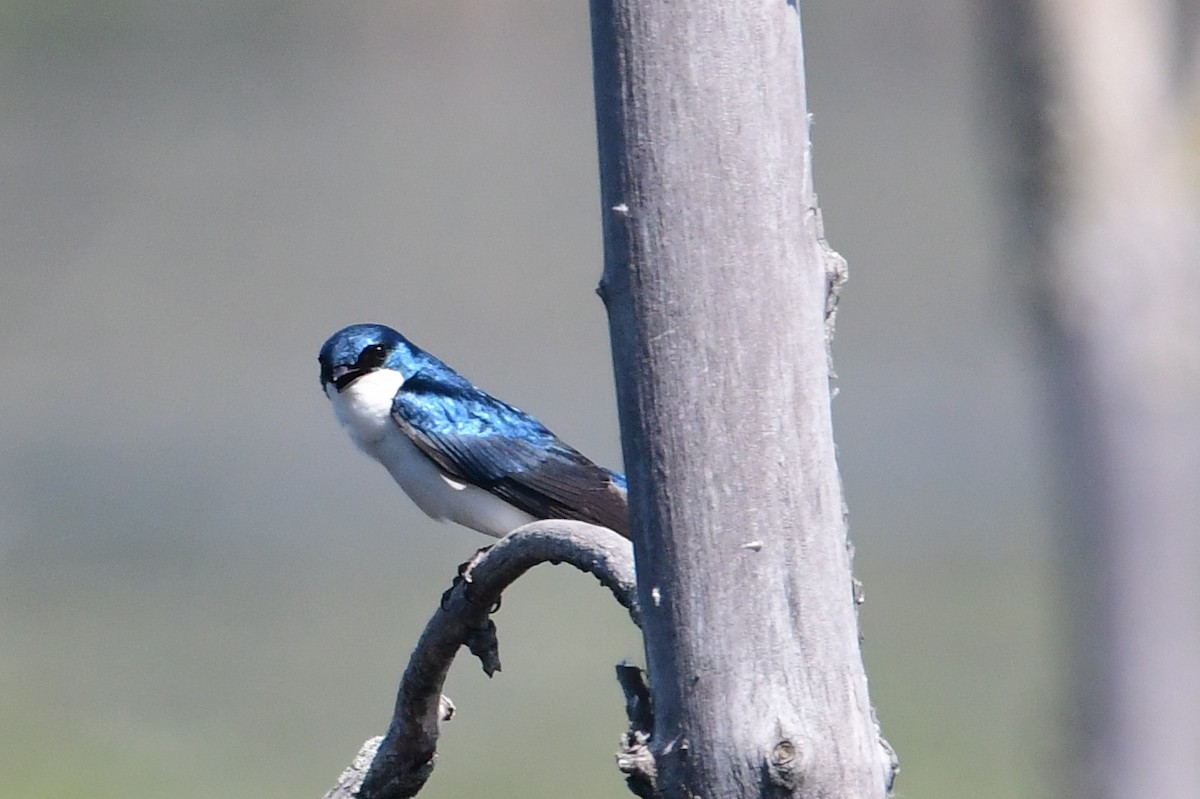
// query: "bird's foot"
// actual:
[[464, 579]]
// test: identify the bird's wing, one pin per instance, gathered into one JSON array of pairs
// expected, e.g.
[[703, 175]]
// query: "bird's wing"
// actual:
[[475, 437]]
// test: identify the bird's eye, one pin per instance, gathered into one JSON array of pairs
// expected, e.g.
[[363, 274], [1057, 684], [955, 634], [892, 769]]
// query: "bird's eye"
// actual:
[[372, 357]]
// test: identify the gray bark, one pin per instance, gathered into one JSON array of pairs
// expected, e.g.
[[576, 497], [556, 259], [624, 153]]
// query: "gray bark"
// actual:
[[717, 284], [1109, 220], [398, 764]]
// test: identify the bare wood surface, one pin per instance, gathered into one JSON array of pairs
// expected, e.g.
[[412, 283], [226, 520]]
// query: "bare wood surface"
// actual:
[[718, 291], [399, 763]]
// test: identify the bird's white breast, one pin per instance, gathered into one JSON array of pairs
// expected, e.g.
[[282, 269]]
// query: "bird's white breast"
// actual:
[[364, 408]]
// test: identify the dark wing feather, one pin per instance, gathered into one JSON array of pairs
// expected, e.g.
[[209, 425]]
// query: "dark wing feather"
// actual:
[[473, 436]]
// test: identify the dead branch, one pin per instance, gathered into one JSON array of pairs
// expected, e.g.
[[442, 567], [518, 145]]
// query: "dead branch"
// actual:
[[398, 764]]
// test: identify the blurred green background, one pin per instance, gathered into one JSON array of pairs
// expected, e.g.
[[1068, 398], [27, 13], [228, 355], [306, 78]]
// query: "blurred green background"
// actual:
[[205, 591]]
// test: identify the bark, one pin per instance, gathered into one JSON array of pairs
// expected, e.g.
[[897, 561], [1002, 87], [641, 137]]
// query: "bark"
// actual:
[[1108, 218], [717, 284], [398, 764]]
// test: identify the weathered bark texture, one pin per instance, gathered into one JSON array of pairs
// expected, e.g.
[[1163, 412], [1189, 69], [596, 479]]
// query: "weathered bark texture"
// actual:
[[398, 764], [1102, 130], [717, 284]]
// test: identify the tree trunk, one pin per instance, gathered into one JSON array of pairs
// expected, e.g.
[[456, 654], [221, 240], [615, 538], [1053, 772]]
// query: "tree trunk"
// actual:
[[716, 281], [1109, 219]]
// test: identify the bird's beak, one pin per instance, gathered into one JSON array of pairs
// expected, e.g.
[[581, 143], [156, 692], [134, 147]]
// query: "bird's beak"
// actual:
[[343, 376]]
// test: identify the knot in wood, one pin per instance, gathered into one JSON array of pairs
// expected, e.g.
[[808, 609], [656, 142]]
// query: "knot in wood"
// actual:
[[785, 766]]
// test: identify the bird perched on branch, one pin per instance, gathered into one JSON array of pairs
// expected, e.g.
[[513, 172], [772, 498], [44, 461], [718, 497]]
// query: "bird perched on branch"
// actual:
[[461, 454]]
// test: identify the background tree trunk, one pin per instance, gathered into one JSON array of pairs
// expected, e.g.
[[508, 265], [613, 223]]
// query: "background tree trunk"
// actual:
[[1102, 132], [716, 282]]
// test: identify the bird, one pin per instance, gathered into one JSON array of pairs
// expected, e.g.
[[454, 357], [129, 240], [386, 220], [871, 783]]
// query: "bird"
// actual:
[[459, 453]]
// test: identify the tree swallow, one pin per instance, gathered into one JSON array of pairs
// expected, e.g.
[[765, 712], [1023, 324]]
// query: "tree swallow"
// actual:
[[461, 454]]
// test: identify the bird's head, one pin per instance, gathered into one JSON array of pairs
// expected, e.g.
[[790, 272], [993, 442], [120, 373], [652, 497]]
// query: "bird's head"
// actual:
[[359, 350]]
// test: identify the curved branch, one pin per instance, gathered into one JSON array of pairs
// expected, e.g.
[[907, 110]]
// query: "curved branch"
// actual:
[[399, 764]]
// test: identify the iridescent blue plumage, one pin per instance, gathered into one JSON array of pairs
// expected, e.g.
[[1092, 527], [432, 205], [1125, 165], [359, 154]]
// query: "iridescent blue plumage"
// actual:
[[345, 347], [469, 435]]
